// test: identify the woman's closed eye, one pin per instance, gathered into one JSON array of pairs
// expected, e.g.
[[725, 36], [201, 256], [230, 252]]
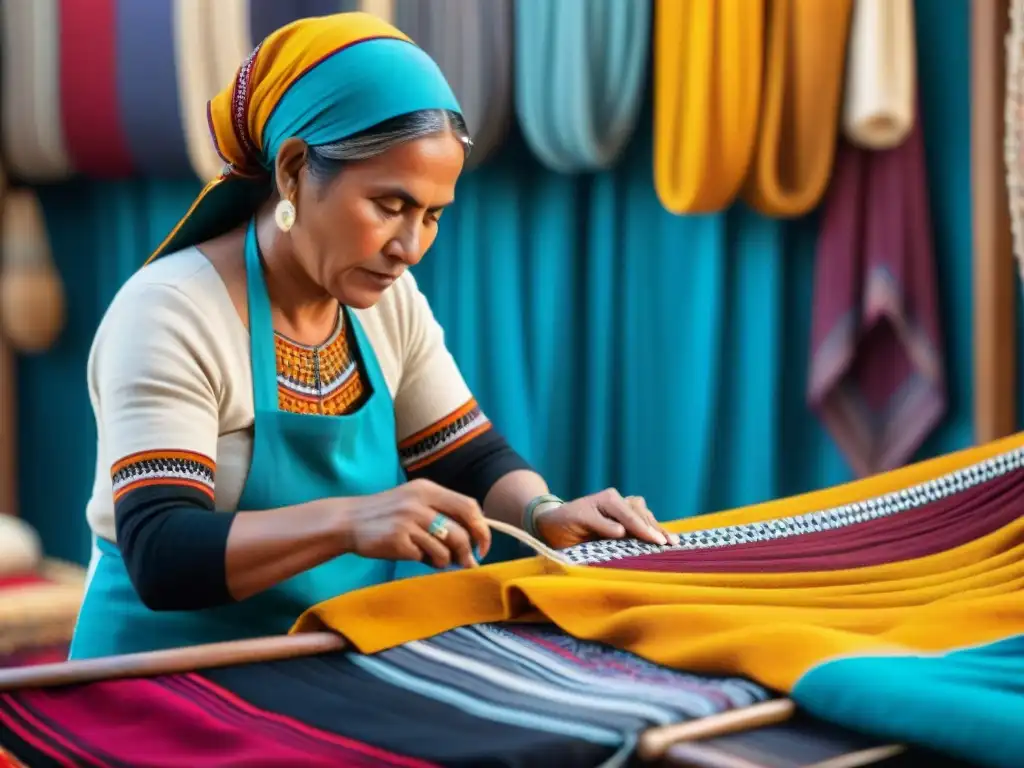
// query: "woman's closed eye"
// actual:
[[390, 208]]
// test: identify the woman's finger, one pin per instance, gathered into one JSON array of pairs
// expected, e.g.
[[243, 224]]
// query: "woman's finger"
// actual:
[[434, 551], [601, 525], [636, 523], [459, 544], [639, 504]]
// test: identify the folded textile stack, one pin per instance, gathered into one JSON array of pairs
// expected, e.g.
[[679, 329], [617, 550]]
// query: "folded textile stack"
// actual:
[[39, 598]]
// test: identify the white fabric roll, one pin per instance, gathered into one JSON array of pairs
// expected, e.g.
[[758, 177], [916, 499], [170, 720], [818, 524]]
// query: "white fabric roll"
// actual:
[[195, 48], [881, 74], [383, 9], [33, 136]]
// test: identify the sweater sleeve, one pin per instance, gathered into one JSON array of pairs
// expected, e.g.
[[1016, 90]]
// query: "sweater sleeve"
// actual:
[[443, 433], [155, 379]]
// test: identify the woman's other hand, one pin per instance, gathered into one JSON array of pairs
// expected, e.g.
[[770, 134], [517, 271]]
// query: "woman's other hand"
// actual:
[[396, 525], [604, 515]]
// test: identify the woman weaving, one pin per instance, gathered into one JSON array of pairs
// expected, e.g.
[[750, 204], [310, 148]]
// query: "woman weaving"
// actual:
[[277, 341]]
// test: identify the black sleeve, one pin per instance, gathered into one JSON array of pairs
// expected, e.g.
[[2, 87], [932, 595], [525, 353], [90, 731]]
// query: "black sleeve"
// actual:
[[174, 545], [474, 467]]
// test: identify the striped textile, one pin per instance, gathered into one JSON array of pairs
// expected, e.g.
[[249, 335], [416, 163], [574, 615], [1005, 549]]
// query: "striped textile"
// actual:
[[510, 695]]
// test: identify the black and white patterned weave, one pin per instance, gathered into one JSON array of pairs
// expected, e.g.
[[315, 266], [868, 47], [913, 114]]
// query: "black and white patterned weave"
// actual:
[[893, 503]]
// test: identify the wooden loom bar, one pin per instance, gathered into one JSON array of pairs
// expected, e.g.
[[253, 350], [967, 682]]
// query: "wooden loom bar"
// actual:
[[172, 661], [994, 273]]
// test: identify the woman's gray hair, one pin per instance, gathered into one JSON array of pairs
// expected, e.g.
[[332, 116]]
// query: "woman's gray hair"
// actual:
[[325, 161]]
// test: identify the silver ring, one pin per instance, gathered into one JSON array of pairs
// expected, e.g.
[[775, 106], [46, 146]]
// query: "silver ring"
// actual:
[[438, 528]]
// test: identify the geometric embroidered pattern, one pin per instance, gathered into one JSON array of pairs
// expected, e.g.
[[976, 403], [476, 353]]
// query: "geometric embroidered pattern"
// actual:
[[150, 468], [886, 505], [324, 380], [444, 436]]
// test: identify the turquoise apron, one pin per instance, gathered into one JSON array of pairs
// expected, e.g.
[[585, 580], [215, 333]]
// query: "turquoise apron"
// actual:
[[296, 458]]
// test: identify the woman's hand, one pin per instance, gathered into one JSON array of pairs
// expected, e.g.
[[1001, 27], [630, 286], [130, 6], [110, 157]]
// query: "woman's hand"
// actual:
[[604, 515], [395, 525]]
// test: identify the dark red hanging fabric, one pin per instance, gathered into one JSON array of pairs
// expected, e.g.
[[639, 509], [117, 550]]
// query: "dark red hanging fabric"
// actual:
[[90, 112], [876, 377]]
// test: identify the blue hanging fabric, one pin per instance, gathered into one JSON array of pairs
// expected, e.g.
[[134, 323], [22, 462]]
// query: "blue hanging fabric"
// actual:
[[266, 16], [147, 88], [581, 69], [472, 43]]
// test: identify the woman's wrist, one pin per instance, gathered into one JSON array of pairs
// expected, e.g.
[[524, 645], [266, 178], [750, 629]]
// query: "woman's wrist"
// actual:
[[538, 506], [337, 517]]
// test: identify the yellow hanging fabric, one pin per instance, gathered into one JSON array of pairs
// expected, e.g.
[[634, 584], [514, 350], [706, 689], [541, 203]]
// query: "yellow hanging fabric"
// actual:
[[708, 68], [803, 83]]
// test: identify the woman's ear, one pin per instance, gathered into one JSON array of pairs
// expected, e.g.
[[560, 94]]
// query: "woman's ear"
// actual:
[[291, 158]]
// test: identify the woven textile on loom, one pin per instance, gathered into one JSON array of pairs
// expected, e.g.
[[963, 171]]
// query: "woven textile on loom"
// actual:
[[892, 605], [508, 695]]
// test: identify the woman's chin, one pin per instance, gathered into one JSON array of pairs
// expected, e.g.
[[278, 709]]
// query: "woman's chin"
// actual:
[[362, 289], [359, 298]]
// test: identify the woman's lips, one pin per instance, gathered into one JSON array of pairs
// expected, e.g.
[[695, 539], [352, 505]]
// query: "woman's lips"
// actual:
[[378, 279]]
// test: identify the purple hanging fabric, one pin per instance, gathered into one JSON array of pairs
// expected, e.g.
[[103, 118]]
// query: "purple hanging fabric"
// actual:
[[876, 377]]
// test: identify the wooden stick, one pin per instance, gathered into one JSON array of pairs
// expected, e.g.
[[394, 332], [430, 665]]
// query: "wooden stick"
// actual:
[[655, 742], [995, 276], [171, 661], [700, 755]]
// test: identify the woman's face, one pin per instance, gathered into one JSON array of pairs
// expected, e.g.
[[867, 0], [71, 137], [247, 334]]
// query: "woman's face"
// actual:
[[357, 233]]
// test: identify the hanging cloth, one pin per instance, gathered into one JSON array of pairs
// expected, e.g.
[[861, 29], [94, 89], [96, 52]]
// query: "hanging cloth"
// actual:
[[33, 134], [805, 56], [1014, 147], [147, 87], [876, 372], [580, 68], [234, 39], [90, 112], [266, 16], [195, 39], [708, 67], [881, 74], [472, 43], [382, 9]]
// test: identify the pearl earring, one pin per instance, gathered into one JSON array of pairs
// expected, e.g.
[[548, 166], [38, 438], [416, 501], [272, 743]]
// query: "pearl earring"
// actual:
[[284, 215]]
